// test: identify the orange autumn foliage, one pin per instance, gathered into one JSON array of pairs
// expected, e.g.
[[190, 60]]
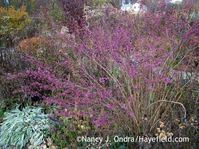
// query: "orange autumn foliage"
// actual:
[[34, 44], [13, 20]]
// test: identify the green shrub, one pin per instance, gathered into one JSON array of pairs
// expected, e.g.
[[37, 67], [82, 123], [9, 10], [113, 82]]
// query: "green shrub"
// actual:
[[29, 125], [56, 12]]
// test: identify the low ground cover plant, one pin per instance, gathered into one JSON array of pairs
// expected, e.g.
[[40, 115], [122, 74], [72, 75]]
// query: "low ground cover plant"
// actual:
[[22, 126]]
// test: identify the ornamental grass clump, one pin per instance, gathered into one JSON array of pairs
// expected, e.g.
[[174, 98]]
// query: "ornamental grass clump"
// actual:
[[22, 126]]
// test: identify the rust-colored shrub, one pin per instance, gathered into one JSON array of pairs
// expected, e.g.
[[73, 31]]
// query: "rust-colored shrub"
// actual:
[[33, 45]]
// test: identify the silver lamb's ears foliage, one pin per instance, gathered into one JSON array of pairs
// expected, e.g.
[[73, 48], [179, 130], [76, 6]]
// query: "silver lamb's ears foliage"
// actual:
[[29, 125]]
